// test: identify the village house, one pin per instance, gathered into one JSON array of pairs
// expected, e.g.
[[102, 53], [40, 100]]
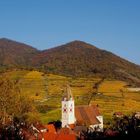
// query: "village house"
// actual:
[[137, 115], [118, 114], [133, 89]]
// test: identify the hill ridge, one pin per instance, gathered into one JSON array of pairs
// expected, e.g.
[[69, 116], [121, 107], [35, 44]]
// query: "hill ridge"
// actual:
[[76, 58], [13, 53]]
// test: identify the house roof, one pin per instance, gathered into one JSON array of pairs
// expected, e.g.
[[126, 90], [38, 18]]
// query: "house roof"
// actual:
[[87, 115], [78, 129], [137, 113], [58, 136], [65, 131], [118, 114], [51, 128], [72, 126], [66, 137], [49, 136]]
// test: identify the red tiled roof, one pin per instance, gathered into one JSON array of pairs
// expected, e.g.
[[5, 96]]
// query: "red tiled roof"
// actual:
[[66, 137], [118, 113], [78, 129], [60, 136], [65, 131], [87, 115], [72, 126], [51, 128], [49, 136]]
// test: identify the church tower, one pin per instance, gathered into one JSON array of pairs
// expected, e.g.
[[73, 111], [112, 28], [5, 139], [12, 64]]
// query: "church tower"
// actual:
[[68, 112]]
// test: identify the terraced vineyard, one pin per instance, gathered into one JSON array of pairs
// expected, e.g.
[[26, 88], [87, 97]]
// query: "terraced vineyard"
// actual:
[[47, 91]]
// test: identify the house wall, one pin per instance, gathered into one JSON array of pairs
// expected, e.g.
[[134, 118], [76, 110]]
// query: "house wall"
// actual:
[[98, 127], [134, 89], [101, 125]]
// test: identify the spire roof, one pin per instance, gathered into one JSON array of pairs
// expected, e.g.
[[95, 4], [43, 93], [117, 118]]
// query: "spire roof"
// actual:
[[67, 93]]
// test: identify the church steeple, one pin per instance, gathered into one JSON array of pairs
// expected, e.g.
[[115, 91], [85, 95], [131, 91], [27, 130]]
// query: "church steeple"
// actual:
[[67, 93], [68, 112]]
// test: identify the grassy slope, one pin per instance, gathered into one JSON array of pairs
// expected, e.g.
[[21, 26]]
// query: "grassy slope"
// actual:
[[33, 84], [48, 90], [114, 100]]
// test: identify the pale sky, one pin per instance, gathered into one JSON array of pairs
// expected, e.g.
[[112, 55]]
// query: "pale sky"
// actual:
[[113, 25]]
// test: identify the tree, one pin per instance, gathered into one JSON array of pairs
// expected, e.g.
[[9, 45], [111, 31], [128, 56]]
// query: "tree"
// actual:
[[13, 103], [7, 99]]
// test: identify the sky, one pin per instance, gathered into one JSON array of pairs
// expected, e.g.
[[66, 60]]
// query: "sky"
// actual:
[[112, 25]]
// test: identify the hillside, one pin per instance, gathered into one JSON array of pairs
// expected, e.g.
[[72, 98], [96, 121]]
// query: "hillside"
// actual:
[[13, 53], [47, 92], [78, 58]]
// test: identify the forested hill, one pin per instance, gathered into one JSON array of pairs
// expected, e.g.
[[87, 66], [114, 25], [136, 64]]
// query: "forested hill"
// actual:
[[76, 58], [14, 53], [82, 59]]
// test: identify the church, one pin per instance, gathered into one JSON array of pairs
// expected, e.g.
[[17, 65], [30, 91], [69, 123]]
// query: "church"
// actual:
[[84, 115]]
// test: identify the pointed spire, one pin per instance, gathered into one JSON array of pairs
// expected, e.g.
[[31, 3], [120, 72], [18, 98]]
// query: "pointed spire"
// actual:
[[68, 94]]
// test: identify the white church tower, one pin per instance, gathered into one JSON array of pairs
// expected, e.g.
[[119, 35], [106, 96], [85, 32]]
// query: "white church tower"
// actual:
[[68, 112]]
